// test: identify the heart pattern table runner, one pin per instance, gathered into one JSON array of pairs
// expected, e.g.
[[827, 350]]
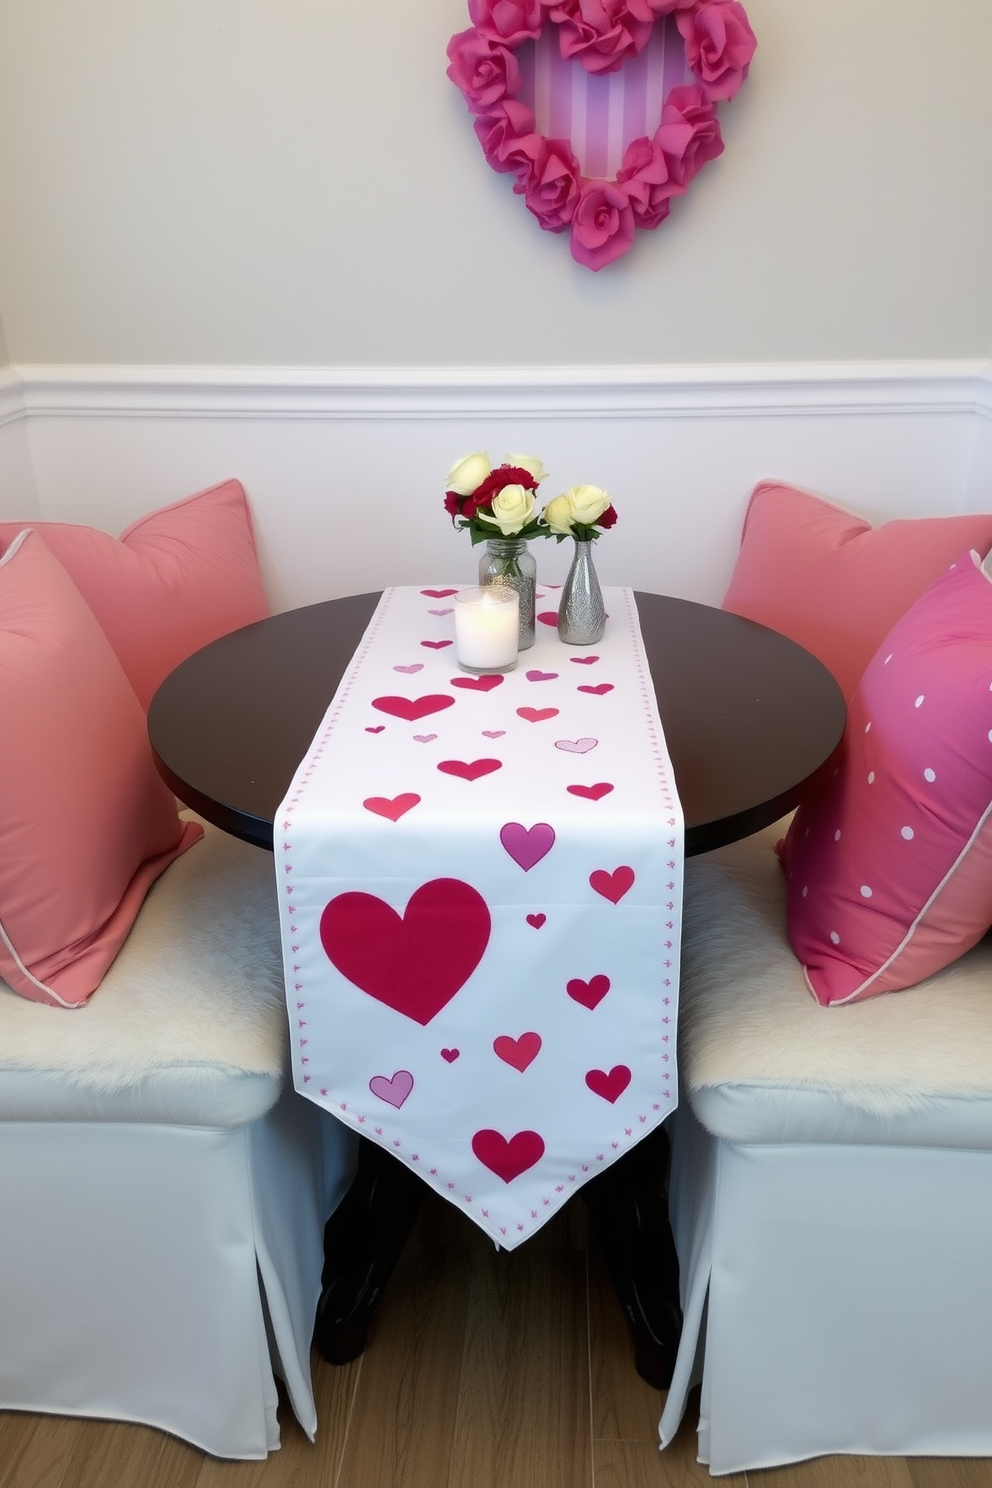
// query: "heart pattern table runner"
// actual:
[[480, 888]]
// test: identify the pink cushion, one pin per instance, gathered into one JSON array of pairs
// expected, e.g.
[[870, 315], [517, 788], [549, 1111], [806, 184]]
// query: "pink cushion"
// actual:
[[890, 865], [174, 580], [86, 824], [830, 580]]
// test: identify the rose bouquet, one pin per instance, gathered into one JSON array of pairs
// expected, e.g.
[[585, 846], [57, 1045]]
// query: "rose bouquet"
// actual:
[[581, 512], [490, 503]]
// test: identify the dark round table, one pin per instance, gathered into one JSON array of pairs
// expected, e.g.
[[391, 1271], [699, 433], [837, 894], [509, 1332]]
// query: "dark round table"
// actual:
[[750, 721], [750, 717]]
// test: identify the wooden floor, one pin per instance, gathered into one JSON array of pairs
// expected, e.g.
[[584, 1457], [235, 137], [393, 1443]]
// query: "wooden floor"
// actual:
[[485, 1370]]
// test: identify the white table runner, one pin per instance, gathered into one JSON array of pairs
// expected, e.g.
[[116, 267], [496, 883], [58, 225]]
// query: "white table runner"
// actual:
[[480, 885]]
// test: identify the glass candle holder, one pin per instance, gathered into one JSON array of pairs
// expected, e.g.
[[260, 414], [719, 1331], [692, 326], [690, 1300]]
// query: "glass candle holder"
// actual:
[[487, 628]]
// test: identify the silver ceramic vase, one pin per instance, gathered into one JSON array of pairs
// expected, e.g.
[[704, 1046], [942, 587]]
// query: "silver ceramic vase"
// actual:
[[581, 614], [509, 561]]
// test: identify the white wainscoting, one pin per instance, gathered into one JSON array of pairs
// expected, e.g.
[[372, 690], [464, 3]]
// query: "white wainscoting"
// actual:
[[345, 467]]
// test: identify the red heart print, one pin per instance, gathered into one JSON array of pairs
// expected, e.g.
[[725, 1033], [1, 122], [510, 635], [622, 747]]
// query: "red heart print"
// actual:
[[590, 994], [583, 660], [411, 709], [548, 617], [527, 845], [438, 593], [609, 1085], [393, 809], [537, 920], [479, 684], [414, 962], [450, 1055], [591, 792], [470, 769], [518, 1052], [535, 676], [396, 1090], [508, 1159], [377, 730], [537, 715], [613, 885], [598, 690], [437, 645]]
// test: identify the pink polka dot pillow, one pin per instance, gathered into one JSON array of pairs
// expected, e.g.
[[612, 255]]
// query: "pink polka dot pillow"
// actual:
[[890, 866]]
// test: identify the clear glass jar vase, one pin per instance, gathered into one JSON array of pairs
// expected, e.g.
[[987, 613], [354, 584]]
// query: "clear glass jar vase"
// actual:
[[509, 561], [581, 612]]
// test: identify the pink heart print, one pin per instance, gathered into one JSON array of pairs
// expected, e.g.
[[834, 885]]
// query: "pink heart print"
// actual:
[[396, 1090], [440, 612], [424, 738], [414, 962], [479, 684], [613, 885], [411, 709], [493, 733], [470, 769], [590, 994], [535, 676], [583, 660], [393, 809], [437, 645], [610, 1085], [548, 617], [537, 715], [591, 792], [537, 920], [438, 593], [527, 845], [508, 1158], [414, 666], [576, 746], [450, 1055], [599, 690], [518, 1052], [377, 730]]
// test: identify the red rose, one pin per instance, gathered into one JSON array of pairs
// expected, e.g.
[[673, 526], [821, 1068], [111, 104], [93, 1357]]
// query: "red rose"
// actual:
[[603, 225], [503, 475], [608, 519]]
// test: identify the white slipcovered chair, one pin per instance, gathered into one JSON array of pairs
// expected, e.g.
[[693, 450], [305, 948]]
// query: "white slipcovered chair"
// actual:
[[831, 1194], [163, 1191]]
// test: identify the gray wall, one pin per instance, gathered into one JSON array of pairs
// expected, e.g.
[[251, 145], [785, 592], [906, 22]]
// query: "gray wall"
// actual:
[[241, 182]]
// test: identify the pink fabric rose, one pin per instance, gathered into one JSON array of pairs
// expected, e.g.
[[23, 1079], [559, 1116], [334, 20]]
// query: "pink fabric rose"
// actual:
[[689, 134], [603, 224], [551, 187], [602, 34], [719, 45], [509, 22], [506, 134], [648, 182], [485, 72]]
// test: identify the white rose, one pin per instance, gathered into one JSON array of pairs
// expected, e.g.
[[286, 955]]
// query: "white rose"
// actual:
[[513, 508], [531, 464], [468, 473], [559, 515], [588, 503]]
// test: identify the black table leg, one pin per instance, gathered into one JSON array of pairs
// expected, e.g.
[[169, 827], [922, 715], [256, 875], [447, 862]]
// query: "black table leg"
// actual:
[[362, 1243], [628, 1207]]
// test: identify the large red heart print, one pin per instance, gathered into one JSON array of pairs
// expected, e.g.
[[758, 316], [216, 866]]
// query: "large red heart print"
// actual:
[[601, 213], [609, 1084], [518, 1052], [414, 962], [508, 1158], [590, 994], [413, 708]]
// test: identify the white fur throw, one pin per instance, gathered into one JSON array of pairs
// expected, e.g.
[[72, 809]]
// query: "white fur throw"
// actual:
[[748, 1018], [198, 982]]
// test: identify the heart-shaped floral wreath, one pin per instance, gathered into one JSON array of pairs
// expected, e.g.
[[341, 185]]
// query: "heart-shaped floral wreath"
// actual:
[[602, 35]]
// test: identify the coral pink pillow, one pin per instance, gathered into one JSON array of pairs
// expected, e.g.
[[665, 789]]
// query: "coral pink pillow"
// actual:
[[86, 824], [890, 865], [830, 580], [171, 582]]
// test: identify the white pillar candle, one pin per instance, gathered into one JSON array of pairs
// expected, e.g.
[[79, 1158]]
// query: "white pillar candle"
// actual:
[[487, 628]]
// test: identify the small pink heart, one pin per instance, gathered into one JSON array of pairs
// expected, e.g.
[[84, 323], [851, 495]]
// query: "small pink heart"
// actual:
[[576, 746], [527, 845], [518, 1052], [392, 809], [437, 645], [438, 593], [590, 792], [537, 920], [583, 660], [414, 666], [450, 1055], [536, 676], [440, 612], [493, 733], [598, 690], [537, 715], [471, 769], [424, 738], [394, 1091], [613, 885], [377, 729], [479, 684], [590, 994], [548, 617]]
